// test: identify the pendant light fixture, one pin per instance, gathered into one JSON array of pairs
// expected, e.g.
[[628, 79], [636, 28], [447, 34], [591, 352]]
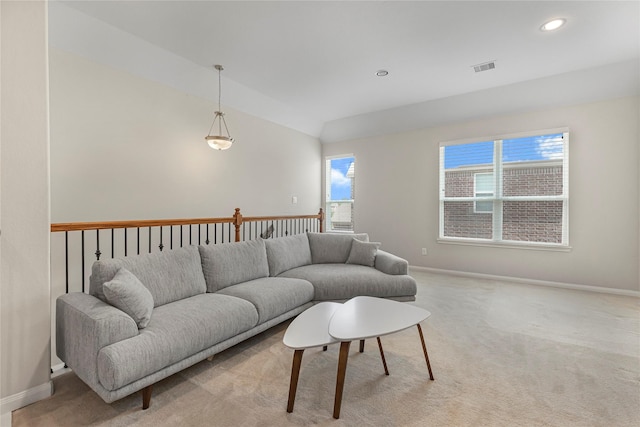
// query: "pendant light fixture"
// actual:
[[219, 141]]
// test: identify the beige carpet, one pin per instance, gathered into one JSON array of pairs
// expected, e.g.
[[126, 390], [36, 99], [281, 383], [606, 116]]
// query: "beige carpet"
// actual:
[[503, 354]]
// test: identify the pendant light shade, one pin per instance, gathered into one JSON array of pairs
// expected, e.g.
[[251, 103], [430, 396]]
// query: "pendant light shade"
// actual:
[[219, 141]]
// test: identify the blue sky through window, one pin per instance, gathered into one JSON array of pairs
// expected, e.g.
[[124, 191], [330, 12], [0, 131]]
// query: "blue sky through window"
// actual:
[[531, 148], [340, 183]]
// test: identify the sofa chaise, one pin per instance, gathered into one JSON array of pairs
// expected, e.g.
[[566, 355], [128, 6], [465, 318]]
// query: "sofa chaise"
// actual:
[[149, 316]]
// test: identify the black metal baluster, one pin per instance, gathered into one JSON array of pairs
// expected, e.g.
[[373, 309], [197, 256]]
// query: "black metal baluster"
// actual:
[[82, 248], [98, 253], [243, 231], [207, 241], [160, 246], [149, 239], [112, 243], [66, 260], [190, 233], [199, 232], [215, 234], [171, 237], [180, 236], [125, 242]]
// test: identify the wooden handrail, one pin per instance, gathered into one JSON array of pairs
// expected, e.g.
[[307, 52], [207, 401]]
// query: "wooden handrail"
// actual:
[[79, 226], [237, 219]]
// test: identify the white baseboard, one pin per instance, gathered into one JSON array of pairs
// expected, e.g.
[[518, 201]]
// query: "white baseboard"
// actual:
[[598, 289], [24, 398]]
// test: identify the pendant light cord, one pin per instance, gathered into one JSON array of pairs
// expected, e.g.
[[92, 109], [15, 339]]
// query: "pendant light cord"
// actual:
[[219, 67]]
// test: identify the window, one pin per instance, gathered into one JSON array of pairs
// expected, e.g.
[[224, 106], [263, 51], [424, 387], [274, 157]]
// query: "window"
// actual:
[[507, 190], [483, 187], [340, 187]]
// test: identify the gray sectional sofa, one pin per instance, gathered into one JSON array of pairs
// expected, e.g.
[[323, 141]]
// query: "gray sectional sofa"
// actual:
[[149, 316]]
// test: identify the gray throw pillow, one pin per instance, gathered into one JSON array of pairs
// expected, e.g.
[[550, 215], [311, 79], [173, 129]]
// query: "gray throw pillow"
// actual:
[[363, 253], [128, 294]]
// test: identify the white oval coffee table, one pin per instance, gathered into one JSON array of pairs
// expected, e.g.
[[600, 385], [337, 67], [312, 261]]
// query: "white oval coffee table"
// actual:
[[357, 319]]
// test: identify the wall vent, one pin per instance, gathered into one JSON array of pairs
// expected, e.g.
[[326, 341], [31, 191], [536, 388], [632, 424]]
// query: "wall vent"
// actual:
[[484, 66]]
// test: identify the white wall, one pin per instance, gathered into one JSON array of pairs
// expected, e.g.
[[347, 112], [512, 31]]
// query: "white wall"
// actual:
[[123, 147], [24, 207], [397, 198]]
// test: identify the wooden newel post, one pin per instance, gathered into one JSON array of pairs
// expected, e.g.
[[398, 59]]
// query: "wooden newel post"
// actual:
[[237, 221], [321, 219]]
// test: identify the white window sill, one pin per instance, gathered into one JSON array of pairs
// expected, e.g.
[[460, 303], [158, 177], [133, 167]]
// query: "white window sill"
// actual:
[[506, 244]]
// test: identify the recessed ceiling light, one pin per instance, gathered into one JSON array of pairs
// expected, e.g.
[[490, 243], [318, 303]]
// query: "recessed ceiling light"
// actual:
[[554, 24], [382, 73]]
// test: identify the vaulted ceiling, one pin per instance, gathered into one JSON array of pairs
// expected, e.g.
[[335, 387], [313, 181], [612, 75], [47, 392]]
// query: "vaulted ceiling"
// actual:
[[311, 65]]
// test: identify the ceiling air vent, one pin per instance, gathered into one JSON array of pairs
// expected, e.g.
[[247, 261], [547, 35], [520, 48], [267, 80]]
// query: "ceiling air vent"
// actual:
[[484, 66]]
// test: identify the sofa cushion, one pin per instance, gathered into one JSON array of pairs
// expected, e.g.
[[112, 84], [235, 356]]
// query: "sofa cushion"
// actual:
[[128, 294], [227, 264], [285, 253], [175, 332], [363, 253], [332, 247], [169, 276], [272, 296], [344, 281]]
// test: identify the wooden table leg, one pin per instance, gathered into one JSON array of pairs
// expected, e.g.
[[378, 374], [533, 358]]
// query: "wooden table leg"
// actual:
[[424, 348], [384, 361], [295, 373], [342, 370], [361, 346]]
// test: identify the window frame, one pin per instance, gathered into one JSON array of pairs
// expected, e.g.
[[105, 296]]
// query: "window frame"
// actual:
[[327, 194], [498, 198]]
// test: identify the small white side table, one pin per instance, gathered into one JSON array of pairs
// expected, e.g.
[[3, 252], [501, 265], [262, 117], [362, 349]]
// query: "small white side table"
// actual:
[[367, 317]]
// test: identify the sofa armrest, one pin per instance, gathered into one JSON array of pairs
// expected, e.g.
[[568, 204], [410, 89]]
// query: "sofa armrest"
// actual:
[[390, 264], [84, 325]]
